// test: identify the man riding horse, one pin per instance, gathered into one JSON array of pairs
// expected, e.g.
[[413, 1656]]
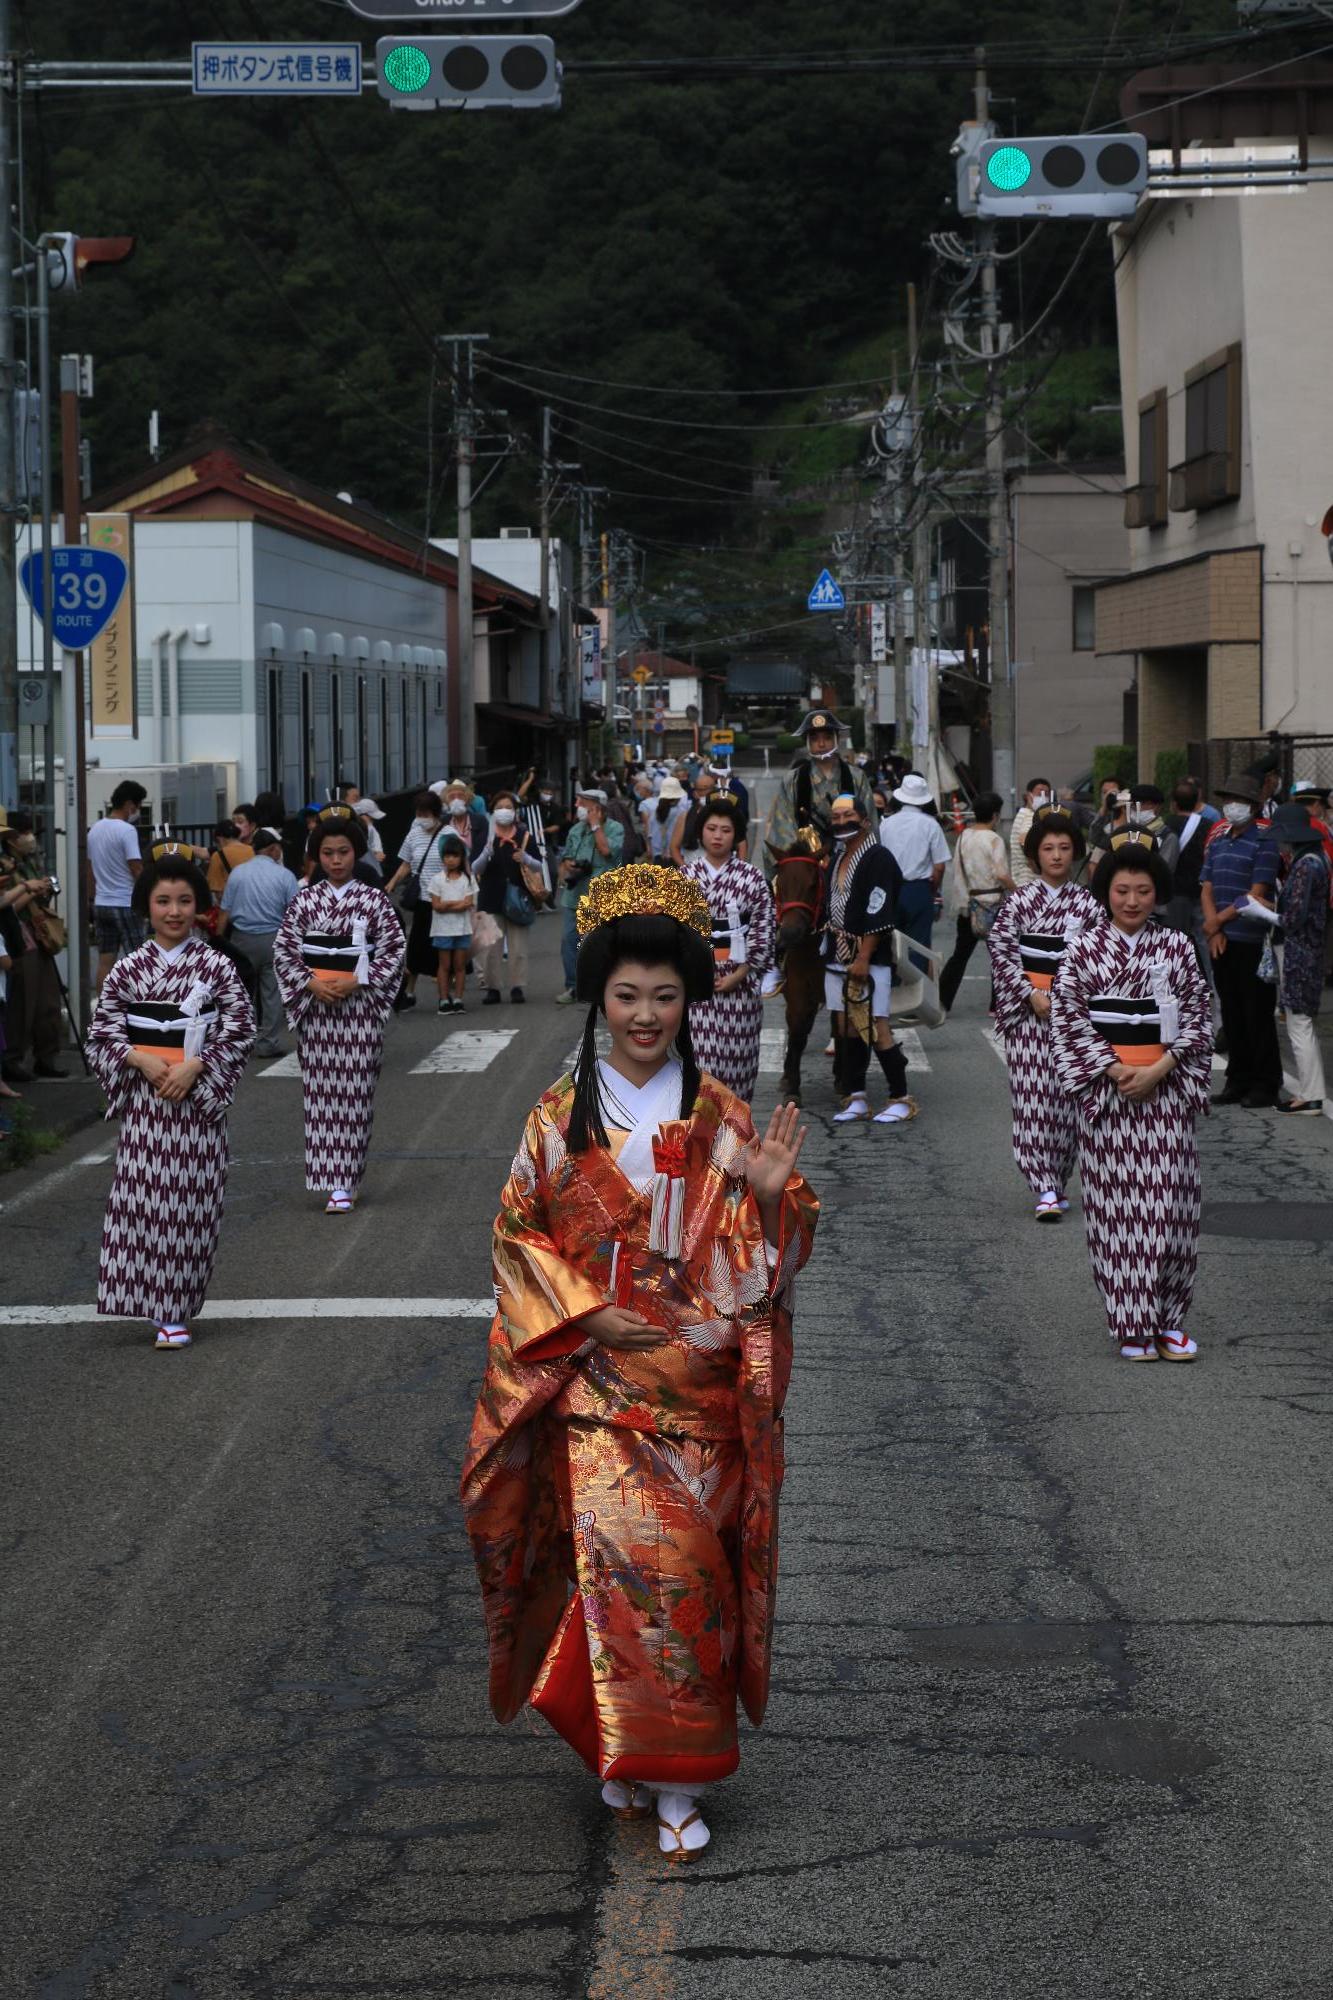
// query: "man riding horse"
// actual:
[[805, 797]]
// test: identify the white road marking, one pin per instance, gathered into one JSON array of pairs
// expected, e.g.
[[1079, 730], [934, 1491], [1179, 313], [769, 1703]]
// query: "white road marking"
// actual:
[[284, 1066], [909, 1040], [995, 1040], [773, 1049], [264, 1309], [466, 1051], [49, 1182]]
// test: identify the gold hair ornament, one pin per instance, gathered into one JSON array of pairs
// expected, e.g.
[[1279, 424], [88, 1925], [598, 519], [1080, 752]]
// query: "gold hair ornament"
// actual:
[[1136, 836], [641, 890], [182, 850]]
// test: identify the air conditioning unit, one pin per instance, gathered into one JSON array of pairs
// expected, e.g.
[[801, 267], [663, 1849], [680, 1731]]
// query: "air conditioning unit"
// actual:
[[516, 535]]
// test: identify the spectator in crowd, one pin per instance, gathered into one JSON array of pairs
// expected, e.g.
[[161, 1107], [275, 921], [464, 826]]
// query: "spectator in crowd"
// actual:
[[1303, 909], [500, 891], [370, 812], [981, 879], [1147, 809], [685, 832], [727, 781], [1314, 798], [661, 816], [114, 863], [1189, 822], [254, 903], [1242, 861], [915, 839], [225, 852], [247, 823], [451, 898], [1110, 815], [1267, 775], [593, 849], [416, 863], [30, 988], [1037, 792], [463, 818]]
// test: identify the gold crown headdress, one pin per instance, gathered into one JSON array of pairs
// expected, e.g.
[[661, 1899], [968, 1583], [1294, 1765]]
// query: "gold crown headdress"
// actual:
[[182, 849], [642, 890], [1135, 836]]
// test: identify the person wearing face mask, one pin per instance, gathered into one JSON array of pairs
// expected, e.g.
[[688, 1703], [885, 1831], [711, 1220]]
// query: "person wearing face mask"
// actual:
[[415, 866], [1242, 861], [33, 1031], [1110, 819], [864, 885], [1147, 812], [594, 847], [1037, 792], [501, 895], [804, 802]]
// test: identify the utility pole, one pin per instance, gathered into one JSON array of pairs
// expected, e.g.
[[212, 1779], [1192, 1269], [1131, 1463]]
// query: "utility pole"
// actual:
[[43, 318], [1001, 685], [465, 427], [76, 765], [9, 655], [901, 734], [547, 478]]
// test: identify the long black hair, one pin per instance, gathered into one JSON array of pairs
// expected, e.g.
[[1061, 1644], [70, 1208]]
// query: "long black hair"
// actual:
[[633, 940]]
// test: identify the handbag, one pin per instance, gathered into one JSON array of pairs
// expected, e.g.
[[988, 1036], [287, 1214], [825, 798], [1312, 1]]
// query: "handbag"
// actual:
[[981, 915], [1267, 966], [519, 907]]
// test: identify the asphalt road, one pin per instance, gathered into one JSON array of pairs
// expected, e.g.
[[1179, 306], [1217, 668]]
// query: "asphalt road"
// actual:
[[1053, 1662]]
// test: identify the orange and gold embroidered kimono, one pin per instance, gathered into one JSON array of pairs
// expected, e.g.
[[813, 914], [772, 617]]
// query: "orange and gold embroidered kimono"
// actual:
[[622, 1507]]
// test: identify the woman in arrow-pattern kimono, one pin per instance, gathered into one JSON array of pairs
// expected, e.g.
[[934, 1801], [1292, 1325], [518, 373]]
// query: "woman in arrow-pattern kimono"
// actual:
[[1027, 941], [338, 956], [1133, 1045], [168, 1043], [725, 1029], [621, 1481]]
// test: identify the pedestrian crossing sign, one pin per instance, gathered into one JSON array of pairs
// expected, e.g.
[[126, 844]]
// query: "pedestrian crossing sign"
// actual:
[[826, 595]]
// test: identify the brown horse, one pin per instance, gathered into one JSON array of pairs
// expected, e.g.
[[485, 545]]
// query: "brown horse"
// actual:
[[798, 890]]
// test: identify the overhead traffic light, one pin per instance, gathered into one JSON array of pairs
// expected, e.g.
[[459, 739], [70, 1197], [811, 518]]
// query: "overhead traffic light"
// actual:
[[468, 72], [1099, 175]]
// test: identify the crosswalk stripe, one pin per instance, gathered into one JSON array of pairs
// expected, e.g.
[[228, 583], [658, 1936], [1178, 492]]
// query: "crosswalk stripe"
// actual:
[[285, 1066], [267, 1309], [465, 1052], [773, 1049]]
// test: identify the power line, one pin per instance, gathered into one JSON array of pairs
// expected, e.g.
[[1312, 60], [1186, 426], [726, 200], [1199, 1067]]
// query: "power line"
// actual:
[[732, 395], [667, 423]]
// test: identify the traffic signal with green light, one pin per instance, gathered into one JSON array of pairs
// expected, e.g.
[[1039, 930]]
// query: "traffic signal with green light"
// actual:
[[1099, 175], [468, 72]]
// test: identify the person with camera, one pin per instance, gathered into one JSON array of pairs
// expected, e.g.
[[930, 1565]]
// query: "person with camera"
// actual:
[[32, 1022], [594, 847]]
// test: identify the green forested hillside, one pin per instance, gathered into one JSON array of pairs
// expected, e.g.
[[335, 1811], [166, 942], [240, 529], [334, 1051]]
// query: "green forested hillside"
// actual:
[[738, 234]]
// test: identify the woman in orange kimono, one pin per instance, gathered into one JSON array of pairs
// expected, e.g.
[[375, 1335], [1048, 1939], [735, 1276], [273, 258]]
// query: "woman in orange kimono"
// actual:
[[622, 1476]]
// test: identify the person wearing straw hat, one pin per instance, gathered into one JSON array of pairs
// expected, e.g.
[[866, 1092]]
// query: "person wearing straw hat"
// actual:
[[621, 1480], [1240, 862], [339, 957], [168, 1042]]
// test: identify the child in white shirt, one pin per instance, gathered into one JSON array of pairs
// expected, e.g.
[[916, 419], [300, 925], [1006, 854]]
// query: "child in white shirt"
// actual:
[[453, 898]]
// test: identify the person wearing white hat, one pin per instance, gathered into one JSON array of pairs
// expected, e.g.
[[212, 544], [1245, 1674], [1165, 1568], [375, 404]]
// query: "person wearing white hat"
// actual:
[[369, 813], [661, 816], [916, 841]]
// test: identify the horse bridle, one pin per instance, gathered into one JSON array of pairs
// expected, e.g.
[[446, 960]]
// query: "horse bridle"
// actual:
[[811, 909]]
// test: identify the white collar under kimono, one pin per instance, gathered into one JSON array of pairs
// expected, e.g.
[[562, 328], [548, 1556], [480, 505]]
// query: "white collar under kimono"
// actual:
[[639, 1112]]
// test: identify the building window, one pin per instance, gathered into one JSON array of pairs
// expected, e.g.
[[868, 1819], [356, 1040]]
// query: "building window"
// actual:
[[1145, 503], [1209, 473], [1085, 617]]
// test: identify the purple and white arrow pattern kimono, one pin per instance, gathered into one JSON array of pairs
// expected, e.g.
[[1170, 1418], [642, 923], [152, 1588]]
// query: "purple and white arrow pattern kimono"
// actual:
[[1027, 941], [1139, 1162], [356, 929]]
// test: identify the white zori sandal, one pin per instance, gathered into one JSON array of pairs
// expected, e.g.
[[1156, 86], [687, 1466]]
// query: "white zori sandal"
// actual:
[[681, 1833], [627, 1801], [340, 1202]]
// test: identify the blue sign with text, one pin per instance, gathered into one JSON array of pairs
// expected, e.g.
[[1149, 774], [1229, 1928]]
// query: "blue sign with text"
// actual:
[[86, 587]]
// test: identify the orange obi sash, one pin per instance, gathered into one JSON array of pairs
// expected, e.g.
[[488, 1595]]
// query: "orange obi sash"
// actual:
[[1133, 1027], [158, 1028]]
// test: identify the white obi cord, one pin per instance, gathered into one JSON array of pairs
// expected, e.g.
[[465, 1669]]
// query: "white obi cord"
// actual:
[[359, 947], [1168, 1007], [196, 1033]]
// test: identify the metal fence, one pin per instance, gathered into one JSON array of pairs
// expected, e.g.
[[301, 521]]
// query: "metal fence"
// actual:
[[1294, 757]]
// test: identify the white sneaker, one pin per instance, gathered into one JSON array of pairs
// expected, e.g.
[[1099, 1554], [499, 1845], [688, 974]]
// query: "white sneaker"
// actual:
[[172, 1336], [1177, 1346], [681, 1833], [855, 1107], [1048, 1206]]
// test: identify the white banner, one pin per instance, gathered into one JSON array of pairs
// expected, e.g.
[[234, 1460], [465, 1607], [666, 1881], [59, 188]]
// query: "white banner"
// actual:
[[879, 634]]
